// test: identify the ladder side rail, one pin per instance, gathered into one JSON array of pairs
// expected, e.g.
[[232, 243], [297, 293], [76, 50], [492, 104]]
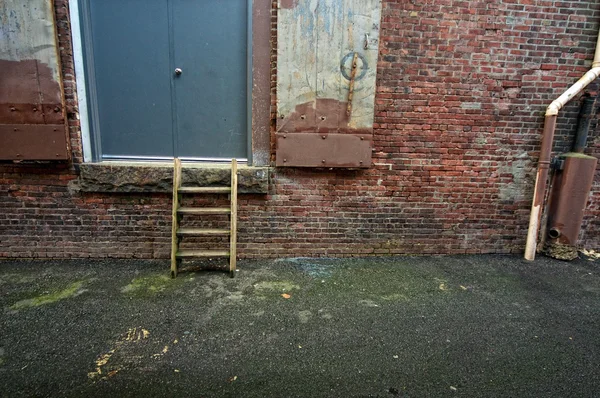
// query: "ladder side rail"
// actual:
[[175, 216], [233, 223]]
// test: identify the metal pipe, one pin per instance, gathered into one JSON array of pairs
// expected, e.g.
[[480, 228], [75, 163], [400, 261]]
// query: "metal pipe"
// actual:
[[575, 89], [583, 125], [546, 149], [540, 187]]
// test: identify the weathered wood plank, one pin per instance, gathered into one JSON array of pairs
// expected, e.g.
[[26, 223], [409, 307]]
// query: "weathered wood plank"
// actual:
[[233, 222], [296, 59], [317, 40], [174, 216], [364, 18]]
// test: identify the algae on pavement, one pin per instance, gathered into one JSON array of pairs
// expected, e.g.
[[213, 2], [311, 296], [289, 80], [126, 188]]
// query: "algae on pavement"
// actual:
[[72, 290]]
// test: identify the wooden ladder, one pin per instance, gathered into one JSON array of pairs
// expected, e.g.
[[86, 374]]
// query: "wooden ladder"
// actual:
[[178, 233]]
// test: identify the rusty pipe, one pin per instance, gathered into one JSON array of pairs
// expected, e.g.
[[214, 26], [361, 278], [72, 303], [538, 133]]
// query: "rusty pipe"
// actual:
[[540, 187], [546, 149]]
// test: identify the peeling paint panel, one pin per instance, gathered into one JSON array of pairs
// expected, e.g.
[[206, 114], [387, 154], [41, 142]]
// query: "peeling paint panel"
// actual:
[[317, 43], [32, 119]]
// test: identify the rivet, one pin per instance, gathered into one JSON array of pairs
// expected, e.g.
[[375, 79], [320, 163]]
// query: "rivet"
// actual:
[[323, 136], [18, 155], [35, 109], [284, 160], [303, 117], [57, 155], [361, 162], [285, 136], [362, 138], [323, 161], [282, 117], [55, 130], [14, 129], [12, 109], [323, 118], [57, 109]]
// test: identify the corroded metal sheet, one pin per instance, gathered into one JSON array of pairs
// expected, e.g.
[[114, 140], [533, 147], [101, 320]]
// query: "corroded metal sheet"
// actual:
[[569, 198], [324, 150], [32, 142], [30, 85], [317, 41]]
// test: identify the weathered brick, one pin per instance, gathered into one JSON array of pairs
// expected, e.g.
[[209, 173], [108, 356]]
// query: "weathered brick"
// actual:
[[461, 91]]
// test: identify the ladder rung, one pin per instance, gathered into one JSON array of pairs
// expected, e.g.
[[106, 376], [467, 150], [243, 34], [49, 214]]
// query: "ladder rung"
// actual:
[[204, 210], [202, 231], [204, 190], [202, 253]]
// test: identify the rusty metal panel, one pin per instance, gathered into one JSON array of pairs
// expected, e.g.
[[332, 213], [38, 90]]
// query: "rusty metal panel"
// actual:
[[32, 142], [570, 190], [324, 150], [30, 82], [326, 68]]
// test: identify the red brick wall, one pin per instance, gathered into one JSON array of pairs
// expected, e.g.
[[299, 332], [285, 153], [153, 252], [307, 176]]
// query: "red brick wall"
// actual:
[[462, 88]]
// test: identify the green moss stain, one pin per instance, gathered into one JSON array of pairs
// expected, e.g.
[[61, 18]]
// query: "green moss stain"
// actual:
[[149, 285], [275, 287], [49, 298], [1, 361]]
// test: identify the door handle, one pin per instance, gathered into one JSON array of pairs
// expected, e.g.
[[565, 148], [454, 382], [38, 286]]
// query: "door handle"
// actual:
[[178, 71]]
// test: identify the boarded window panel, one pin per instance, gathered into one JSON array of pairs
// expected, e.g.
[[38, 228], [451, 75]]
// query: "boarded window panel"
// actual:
[[318, 40], [32, 122]]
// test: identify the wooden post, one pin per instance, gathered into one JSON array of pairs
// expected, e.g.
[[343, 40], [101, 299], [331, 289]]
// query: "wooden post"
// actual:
[[175, 223], [233, 223]]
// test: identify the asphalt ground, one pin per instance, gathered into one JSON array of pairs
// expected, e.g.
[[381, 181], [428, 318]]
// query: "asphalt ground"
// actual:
[[460, 326]]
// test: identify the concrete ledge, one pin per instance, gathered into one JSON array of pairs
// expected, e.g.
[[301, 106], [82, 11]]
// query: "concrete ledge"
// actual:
[[158, 177]]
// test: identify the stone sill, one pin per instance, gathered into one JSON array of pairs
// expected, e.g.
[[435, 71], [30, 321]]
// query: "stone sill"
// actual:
[[158, 177]]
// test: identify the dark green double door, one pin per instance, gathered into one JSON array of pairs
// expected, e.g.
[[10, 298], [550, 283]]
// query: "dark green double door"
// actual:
[[169, 77]]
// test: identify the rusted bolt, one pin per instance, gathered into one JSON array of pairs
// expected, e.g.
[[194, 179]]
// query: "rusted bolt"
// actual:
[[12, 109], [323, 136]]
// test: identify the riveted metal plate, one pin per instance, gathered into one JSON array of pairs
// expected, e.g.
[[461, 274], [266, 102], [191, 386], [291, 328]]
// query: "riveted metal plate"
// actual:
[[32, 117], [33, 142], [324, 150]]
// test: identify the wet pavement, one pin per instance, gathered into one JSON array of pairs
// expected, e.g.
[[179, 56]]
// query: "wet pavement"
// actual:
[[460, 326]]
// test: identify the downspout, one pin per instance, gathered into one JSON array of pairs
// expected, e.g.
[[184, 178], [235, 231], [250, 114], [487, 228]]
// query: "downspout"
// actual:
[[546, 149]]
